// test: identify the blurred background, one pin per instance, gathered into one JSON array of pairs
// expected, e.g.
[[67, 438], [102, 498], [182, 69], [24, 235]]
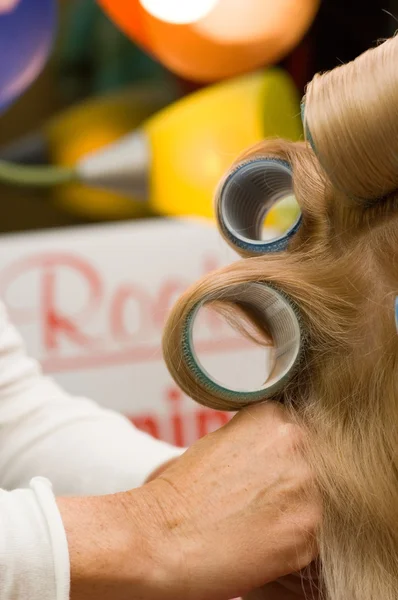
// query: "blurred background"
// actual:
[[99, 84], [115, 114], [135, 109]]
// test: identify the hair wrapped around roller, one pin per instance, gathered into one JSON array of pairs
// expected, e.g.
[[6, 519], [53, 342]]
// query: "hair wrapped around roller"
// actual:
[[336, 277]]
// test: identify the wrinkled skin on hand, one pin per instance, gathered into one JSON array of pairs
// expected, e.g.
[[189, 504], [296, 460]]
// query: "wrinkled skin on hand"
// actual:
[[244, 498]]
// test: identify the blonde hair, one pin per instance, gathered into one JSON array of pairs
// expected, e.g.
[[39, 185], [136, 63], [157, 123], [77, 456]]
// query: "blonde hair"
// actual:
[[341, 271]]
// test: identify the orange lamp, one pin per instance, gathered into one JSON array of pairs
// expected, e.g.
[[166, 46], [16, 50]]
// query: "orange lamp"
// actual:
[[208, 40]]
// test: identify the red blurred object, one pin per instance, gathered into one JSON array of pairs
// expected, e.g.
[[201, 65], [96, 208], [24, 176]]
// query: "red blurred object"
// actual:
[[208, 40]]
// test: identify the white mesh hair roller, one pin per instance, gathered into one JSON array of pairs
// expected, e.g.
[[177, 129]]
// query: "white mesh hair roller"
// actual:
[[246, 196], [281, 318]]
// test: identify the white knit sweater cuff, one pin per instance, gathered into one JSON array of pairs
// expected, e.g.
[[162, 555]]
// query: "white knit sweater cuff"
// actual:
[[34, 557]]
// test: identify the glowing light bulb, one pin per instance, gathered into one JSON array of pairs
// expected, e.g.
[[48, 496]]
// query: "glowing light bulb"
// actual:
[[237, 22], [8, 5], [210, 40], [179, 12]]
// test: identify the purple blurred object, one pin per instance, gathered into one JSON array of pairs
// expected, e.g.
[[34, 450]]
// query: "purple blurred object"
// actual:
[[26, 34]]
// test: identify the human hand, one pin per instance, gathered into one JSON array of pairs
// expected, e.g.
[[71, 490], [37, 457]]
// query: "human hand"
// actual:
[[233, 513], [160, 470], [238, 509]]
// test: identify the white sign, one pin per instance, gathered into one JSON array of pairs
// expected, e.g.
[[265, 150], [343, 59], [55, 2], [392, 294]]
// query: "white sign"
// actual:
[[91, 304]]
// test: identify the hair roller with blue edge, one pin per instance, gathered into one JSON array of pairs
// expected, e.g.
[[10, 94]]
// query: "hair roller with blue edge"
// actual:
[[245, 197], [307, 132], [281, 319], [396, 313]]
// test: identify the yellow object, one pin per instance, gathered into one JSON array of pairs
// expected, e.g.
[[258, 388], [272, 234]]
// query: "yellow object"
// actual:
[[283, 215], [194, 141], [92, 125]]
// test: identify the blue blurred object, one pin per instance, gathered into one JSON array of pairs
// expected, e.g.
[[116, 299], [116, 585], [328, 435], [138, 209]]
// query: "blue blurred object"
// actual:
[[396, 312], [26, 35]]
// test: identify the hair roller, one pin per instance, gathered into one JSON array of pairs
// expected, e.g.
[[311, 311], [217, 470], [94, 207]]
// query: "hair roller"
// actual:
[[245, 197], [280, 317], [351, 121]]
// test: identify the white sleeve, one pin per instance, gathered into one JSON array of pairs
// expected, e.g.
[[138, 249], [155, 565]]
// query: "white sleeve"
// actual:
[[34, 557], [81, 448], [47, 435]]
